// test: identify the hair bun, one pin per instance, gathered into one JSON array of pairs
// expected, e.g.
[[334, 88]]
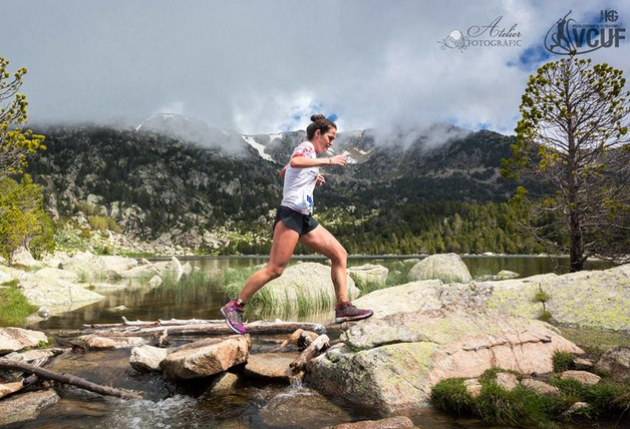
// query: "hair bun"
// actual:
[[317, 117]]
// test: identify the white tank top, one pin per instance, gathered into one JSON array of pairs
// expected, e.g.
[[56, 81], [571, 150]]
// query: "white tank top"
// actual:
[[299, 183]]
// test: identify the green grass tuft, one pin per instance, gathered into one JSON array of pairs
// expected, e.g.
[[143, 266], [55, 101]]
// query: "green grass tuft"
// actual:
[[545, 316], [14, 308], [562, 361], [541, 297], [450, 395]]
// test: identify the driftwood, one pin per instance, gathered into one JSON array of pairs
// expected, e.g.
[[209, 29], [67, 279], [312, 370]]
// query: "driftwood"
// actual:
[[66, 379], [195, 328], [301, 338], [316, 347], [159, 322]]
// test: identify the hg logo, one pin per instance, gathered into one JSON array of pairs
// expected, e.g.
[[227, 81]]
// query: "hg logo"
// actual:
[[609, 15]]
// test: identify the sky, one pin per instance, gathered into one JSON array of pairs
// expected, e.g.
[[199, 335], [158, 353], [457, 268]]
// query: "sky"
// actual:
[[266, 66]]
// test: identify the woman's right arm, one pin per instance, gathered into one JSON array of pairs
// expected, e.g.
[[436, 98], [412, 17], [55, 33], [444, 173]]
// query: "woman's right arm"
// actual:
[[304, 162]]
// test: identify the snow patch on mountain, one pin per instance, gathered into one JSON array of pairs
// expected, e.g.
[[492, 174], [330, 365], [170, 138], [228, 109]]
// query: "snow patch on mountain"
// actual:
[[260, 148]]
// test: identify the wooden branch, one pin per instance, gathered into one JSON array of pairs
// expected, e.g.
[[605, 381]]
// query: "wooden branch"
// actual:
[[66, 379], [260, 327], [159, 322], [316, 347]]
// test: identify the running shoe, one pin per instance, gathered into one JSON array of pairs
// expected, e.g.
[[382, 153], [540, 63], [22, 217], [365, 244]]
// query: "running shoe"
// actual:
[[348, 312], [234, 317]]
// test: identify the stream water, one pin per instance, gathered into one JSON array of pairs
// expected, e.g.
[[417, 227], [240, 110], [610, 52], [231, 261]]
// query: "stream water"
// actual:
[[249, 404]]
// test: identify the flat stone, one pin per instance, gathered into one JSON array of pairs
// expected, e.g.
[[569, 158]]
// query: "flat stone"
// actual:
[[410, 297], [147, 358], [104, 343], [15, 339], [581, 376], [270, 366], [8, 388], [36, 356], [398, 422], [507, 381], [576, 407], [540, 387], [27, 406], [207, 357], [583, 364]]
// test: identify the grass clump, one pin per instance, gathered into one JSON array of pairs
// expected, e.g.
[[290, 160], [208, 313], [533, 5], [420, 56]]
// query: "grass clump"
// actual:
[[451, 396], [522, 407], [286, 302], [562, 361], [545, 316], [14, 308]]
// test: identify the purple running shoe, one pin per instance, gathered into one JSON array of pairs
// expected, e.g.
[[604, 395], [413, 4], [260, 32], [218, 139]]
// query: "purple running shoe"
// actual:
[[348, 312], [234, 317]]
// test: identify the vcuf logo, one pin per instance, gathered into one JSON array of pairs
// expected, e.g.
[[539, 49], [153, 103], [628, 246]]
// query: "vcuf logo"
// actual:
[[567, 36]]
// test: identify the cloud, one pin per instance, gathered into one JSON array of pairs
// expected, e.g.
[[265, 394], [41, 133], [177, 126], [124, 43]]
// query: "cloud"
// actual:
[[261, 67]]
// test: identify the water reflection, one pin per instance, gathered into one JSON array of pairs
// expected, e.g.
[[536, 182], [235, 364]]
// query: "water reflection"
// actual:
[[199, 295]]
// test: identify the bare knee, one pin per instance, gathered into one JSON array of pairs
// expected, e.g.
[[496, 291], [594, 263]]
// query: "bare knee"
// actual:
[[339, 256], [275, 271]]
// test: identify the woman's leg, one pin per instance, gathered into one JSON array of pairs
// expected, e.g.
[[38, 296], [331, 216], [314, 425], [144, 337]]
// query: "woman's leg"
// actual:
[[284, 241], [323, 242]]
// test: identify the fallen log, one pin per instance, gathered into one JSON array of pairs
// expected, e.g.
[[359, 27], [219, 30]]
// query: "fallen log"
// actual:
[[320, 344], [260, 327], [66, 379], [159, 322]]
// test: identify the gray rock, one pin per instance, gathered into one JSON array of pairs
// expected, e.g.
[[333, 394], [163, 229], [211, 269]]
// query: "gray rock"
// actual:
[[58, 290], [223, 382], [575, 408], [449, 268], [95, 342], [398, 422], [16, 339], [155, 281], [27, 406], [147, 358], [391, 363], [507, 381], [207, 357], [369, 273], [270, 366], [540, 387], [506, 275], [43, 312], [473, 387], [616, 362], [581, 376], [23, 257], [410, 297]]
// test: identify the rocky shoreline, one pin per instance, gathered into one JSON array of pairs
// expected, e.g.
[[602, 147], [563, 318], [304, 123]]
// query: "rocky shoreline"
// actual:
[[423, 333]]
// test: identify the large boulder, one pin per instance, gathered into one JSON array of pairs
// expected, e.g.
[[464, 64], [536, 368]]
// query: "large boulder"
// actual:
[[369, 273], [56, 289], [94, 266], [392, 362], [410, 297], [592, 299], [207, 357], [449, 268], [27, 406], [309, 280], [15, 339]]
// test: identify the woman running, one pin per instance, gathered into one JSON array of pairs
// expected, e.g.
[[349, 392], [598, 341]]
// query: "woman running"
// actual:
[[294, 223]]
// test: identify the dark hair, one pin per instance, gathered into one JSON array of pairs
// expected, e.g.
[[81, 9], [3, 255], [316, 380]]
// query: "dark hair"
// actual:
[[320, 122]]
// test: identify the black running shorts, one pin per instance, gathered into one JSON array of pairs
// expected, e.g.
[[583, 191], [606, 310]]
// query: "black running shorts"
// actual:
[[298, 222]]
